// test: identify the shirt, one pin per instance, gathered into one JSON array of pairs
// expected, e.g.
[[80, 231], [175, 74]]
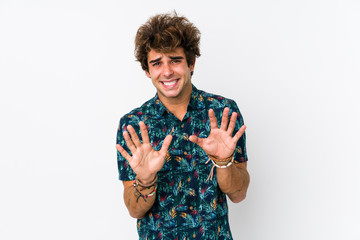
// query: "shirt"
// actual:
[[188, 205]]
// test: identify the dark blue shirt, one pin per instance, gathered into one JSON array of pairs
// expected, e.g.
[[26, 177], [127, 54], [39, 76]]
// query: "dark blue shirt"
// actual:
[[187, 205]]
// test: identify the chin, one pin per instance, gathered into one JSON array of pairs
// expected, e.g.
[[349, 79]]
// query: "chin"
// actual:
[[171, 95]]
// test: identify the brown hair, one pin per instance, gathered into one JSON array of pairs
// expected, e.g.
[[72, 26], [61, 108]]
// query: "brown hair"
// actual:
[[164, 33]]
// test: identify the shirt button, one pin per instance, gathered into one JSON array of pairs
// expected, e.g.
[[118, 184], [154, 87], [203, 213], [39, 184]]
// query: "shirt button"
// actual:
[[182, 125], [191, 208]]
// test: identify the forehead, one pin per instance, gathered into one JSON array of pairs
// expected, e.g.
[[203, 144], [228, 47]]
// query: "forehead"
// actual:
[[153, 54]]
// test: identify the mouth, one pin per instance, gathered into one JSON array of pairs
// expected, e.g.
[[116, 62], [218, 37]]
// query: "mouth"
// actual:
[[171, 83]]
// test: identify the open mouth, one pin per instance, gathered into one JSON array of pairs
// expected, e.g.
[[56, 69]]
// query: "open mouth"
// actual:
[[170, 83]]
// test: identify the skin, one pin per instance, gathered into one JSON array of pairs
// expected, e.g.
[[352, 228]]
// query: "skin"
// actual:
[[171, 76], [235, 179], [167, 68]]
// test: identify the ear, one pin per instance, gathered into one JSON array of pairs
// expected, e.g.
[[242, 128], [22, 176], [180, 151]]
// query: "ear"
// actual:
[[192, 66], [147, 74]]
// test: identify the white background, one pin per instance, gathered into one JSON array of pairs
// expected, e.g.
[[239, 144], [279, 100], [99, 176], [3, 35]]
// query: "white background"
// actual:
[[68, 74]]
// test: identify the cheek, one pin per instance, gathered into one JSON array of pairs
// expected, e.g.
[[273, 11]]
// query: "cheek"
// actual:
[[154, 73], [186, 73], [153, 81], [181, 71]]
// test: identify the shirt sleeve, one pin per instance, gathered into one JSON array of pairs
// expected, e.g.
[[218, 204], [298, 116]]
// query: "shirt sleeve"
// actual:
[[240, 154], [125, 171]]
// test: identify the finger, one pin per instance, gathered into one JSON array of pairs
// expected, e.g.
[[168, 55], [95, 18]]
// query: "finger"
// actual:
[[213, 120], [134, 136], [166, 145], [225, 119], [232, 123], [196, 140], [144, 132], [239, 133], [129, 142], [124, 153]]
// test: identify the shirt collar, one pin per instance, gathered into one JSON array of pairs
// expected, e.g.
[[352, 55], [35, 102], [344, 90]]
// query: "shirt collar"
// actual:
[[196, 103], [159, 108], [196, 100]]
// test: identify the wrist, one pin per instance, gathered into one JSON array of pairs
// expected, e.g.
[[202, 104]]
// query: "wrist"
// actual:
[[221, 160], [146, 183], [223, 164], [144, 192], [219, 163]]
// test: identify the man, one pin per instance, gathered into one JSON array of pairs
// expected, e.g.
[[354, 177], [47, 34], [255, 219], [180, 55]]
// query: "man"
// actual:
[[183, 151]]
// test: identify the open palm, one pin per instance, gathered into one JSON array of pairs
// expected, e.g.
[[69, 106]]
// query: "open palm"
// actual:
[[220, 142], [145, 160]]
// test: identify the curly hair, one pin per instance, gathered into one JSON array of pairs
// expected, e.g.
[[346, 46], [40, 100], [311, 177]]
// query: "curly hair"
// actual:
[[165, 32]]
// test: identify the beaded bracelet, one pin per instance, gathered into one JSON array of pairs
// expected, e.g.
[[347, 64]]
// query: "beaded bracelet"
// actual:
[[139, 194], [224, 164]]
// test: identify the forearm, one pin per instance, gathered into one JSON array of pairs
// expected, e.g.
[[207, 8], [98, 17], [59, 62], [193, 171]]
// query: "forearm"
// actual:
[[137, 205], [234, 181]]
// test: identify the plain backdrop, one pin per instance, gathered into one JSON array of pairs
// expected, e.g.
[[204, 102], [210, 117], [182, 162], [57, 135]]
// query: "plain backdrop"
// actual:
[[68, 74]]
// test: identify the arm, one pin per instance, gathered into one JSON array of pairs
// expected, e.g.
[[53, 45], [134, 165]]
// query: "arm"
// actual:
[[137, 207], [145, 162], [234, 181]]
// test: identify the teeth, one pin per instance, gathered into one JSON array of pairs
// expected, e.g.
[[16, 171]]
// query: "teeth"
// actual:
[[169, 83]]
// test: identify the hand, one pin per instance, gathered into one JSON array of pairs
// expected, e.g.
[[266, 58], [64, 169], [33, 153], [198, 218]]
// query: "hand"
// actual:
[[220, 142], [145, 161]]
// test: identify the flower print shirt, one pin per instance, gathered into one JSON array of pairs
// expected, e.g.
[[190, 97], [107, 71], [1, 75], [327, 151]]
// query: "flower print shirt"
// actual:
[[188, 205]]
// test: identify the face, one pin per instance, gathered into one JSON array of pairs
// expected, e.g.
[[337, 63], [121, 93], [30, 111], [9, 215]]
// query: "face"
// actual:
[[170, 74]]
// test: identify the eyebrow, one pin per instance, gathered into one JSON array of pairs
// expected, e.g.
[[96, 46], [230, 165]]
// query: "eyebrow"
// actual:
[[155, 60], [171, 57], [176, 58]]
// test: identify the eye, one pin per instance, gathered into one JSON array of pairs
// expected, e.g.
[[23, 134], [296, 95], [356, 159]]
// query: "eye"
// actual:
[[156, 64], [176, 60]]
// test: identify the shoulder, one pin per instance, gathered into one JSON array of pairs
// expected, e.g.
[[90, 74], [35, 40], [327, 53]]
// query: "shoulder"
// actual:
[[215, 101], [138, 114]]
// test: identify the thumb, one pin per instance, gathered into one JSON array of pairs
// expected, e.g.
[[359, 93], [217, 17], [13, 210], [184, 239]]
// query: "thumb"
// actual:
[[166, 144], [196, 140]]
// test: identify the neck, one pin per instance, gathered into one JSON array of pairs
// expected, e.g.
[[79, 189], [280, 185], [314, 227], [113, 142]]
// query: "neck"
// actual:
[[178, 105]]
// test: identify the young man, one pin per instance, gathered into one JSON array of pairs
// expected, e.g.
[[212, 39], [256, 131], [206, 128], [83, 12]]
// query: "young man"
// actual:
[[183, 151]]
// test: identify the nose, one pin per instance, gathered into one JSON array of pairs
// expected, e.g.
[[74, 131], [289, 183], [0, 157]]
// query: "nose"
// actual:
[[167, 70]]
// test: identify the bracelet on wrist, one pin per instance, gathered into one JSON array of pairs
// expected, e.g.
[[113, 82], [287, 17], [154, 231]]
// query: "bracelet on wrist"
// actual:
[[223, 164], [145, 186], [219, 163], [138, 193], [215, 159]]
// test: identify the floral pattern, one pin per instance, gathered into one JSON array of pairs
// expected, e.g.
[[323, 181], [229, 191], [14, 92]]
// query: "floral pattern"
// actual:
[[187, 206]]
